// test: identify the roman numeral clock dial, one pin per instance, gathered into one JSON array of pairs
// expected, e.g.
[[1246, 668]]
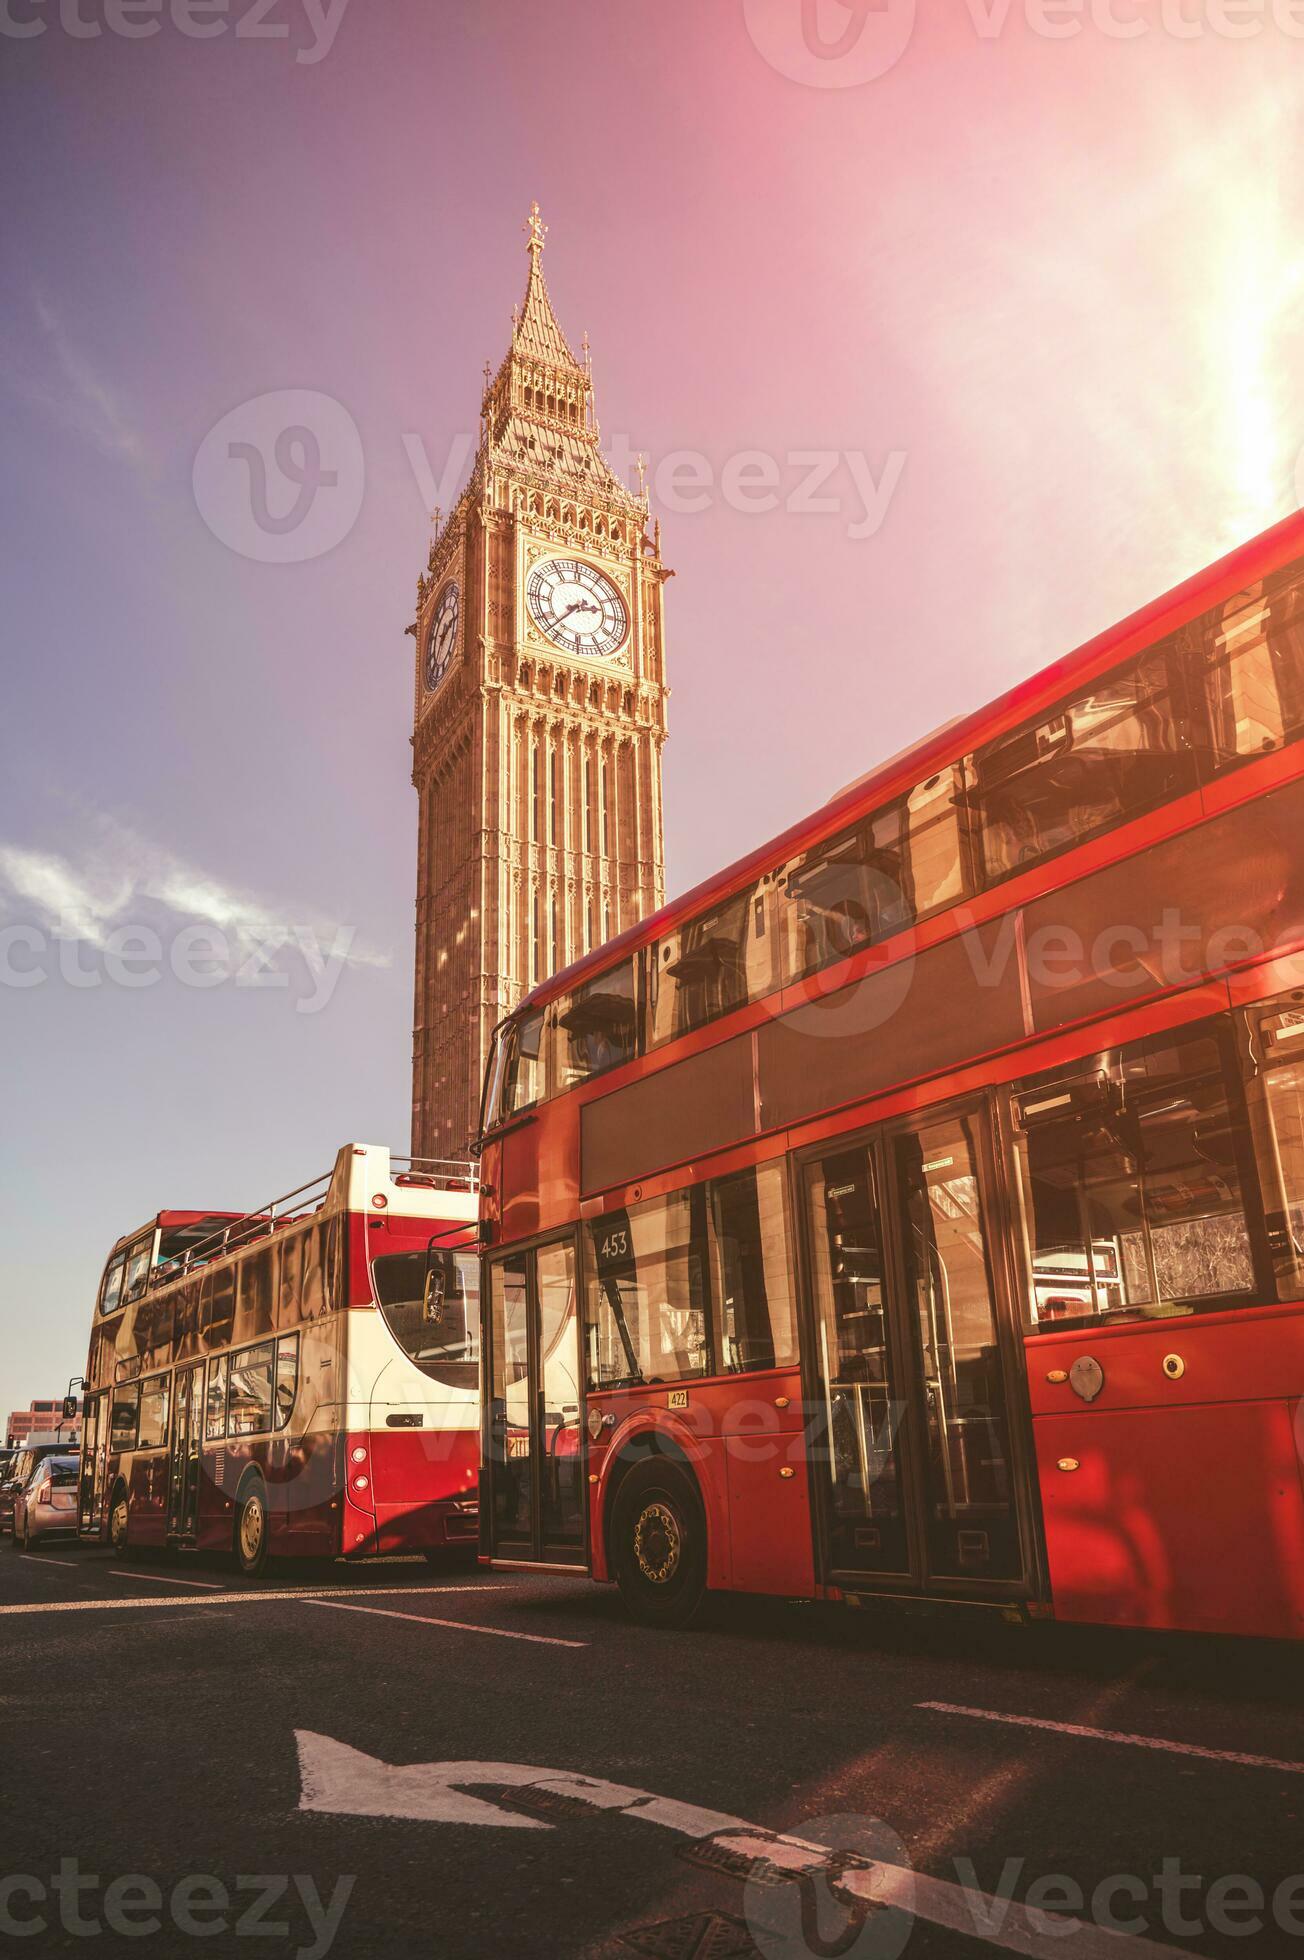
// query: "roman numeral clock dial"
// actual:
[[442, 644], [577, 607]]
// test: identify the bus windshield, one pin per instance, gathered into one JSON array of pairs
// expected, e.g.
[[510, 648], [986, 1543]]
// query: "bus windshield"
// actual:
[[431, 1305]]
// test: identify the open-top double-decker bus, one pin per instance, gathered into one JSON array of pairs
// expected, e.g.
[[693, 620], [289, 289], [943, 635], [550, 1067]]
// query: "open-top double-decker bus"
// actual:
[[301, 1379], [916, 1209]]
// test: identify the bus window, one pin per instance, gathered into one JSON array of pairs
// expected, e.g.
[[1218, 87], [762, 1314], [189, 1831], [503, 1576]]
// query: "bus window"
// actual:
[[122, 1422], [1098, 760], [847, 894], [138, 1262], [249, 1398], [431, 1305], [523, 1074], [1254, 670], [757, 1326], [712, 965], [153, 1430], [598, 1026], [647, 1293], [1131, 1183], [1276, 1095], [287, 1377], [111, 1299], [934, 849], [215, 1403]]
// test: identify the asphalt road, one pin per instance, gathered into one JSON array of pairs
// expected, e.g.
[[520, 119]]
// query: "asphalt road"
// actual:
[[385, 1761]]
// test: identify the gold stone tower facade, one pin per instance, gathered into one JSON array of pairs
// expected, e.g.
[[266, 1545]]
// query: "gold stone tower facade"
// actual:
[[540, 714]]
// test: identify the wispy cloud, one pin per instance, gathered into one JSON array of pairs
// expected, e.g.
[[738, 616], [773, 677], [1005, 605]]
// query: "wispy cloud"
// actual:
[[69, 388], [123, 879]]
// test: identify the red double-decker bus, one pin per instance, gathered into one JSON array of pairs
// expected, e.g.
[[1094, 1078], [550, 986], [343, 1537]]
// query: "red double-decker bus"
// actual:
[[917, 1208], [297, 1380]]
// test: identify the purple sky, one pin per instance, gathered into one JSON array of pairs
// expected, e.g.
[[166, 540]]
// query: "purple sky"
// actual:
[[1043, 293]]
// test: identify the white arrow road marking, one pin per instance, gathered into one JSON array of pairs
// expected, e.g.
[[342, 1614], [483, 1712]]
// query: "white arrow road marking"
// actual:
[[347, 1782]]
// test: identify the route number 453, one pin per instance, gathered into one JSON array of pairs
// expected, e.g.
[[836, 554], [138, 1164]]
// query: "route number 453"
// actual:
[[615, 1246]]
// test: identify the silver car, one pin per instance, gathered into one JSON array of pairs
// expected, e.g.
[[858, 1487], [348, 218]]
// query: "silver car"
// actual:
[[47, 1503]]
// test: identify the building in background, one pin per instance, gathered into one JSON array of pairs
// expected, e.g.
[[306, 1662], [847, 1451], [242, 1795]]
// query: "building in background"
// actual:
[[540, 714], [42, 1418]]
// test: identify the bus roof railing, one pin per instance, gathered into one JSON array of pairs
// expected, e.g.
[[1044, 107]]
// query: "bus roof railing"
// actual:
[[242, 1231], [430, 1173]]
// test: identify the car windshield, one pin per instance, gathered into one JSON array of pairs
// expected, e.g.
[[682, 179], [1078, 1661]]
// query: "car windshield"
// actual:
[[62, 1470]]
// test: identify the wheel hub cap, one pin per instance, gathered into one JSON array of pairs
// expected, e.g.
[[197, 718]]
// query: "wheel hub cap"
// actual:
[[657, 1543], [251, 1529]]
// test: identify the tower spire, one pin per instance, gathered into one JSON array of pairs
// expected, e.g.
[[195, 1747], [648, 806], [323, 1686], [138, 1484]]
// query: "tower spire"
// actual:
[[538, 233]]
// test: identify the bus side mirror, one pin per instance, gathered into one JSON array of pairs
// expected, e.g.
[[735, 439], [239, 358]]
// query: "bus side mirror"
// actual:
[[69, 1407], [440, 1287]]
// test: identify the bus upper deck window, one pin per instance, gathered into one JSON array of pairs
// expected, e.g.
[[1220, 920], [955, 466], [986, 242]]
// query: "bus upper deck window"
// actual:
[[523, 1073], [598, 1026], [138, 1261], [1254, 669], [1111, 752], [111, 1299]]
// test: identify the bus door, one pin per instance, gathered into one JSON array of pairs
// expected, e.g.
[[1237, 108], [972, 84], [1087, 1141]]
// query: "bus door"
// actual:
[[183, 1452], [532, 1507], [916, 1457], [94, 1457]]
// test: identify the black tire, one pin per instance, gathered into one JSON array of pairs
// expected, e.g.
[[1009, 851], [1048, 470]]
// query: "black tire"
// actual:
[[658, 1544], [251, 1529], [15, 1540], [119, 1522]]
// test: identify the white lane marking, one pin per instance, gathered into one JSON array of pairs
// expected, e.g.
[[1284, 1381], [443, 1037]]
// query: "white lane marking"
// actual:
[[1118, 1735], [164, 1579], [43, 1558], [127, 1604], [462, 1626], [347, 1782]]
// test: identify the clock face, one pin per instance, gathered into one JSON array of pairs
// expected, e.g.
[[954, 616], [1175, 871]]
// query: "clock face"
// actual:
[[578, 607], [442, 644]]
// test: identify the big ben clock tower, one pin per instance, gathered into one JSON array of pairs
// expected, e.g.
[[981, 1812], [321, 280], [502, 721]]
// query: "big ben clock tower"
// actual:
[[540, 712]]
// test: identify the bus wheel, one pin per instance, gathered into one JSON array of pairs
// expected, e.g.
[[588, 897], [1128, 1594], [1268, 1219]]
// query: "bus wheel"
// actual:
[[118, 1521], [658, 1544], [251, 1530]]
